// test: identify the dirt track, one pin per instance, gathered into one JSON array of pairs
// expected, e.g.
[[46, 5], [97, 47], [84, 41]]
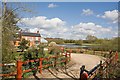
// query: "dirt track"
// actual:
[[73, 70], [85, 59]]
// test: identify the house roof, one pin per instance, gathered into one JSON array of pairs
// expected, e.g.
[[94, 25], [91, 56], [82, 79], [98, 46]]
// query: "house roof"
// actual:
[[30, 34]]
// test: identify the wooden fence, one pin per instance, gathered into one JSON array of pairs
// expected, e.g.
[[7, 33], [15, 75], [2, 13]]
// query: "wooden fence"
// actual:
[[20, 71], [99, 69]]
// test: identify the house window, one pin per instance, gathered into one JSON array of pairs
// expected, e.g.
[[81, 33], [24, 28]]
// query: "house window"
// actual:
[[37, 38], [25, 38]]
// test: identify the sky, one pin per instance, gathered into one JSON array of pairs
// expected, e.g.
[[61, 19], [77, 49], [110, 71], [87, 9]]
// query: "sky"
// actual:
[[69, 20]]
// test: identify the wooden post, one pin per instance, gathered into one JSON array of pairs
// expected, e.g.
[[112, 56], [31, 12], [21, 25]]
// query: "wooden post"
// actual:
[[66, 58], [116, 56], [40, 65], [101, 69], [69, 56], [55, 61], [19, 70], [83, 75]]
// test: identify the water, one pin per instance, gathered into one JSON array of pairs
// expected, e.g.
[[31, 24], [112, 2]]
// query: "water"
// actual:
[[73, 46]]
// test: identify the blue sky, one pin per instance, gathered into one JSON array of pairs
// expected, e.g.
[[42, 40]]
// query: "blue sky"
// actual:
[[73, 19]]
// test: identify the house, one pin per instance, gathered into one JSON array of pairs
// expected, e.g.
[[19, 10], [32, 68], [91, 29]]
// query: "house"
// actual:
[[34, 38]]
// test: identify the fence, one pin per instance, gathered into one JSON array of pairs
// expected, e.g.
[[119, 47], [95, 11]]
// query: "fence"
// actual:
[[11, 73], [20, 71], [99, 69]]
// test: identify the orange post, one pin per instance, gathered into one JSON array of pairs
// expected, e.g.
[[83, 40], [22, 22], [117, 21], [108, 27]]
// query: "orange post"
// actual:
[[116, 56], [19, 70], [70, 56], [40, 65], [84, 76]]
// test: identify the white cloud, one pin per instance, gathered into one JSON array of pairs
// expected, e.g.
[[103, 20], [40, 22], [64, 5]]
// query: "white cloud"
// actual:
[[56, 28], [98, 15], [110, 15], [42, 22], [87, 12], [90, 29], [52, 5]]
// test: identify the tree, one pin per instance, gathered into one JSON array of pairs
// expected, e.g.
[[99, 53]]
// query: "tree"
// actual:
[[9, 29], [91, 38], [23, 45]]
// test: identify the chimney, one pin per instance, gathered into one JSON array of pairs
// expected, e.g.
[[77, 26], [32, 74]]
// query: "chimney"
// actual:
[[38, 32]]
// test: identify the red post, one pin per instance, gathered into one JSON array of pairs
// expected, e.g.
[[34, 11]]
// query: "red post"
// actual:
[[19, 70], [70, 56], [40, 66], [116, 56], [84, 76]]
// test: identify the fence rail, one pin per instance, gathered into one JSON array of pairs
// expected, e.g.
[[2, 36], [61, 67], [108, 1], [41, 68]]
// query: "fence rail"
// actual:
[[20, 64], [100, 67]]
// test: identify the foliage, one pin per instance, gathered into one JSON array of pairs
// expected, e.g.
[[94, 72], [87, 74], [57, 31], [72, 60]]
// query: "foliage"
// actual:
[[9, 29], [107, 45], [78, 42], [56, 40], [54, 50], [91, 38], [23, 45]]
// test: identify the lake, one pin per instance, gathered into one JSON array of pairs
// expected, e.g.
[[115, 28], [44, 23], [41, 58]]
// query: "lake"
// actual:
[[73, 46]]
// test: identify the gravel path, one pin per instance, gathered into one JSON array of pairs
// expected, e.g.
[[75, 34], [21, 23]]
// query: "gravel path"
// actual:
[[77, 60], [85, 59]]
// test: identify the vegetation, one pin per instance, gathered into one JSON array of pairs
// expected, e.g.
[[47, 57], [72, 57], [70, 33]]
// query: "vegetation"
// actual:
[[24, 44], [9, 29], [56, 40], [106, 45]]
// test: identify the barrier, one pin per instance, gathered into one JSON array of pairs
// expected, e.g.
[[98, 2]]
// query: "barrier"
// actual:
[[101, 67], [11, 73], [20, 72], [40, 60]]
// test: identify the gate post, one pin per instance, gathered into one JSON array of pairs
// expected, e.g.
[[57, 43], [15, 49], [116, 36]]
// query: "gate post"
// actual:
[[19, 70], [40, 65]]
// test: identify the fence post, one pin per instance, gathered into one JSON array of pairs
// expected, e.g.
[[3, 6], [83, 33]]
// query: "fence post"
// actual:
[[69, 56], [55, 62], [19, 70], [66, 58], [116, 56], [40, 65], [101, 69], [83, 75]]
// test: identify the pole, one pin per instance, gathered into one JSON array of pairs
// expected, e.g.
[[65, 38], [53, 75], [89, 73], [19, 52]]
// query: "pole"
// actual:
[[66, 58], [116, 56], [40, 65], [19, 70]]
